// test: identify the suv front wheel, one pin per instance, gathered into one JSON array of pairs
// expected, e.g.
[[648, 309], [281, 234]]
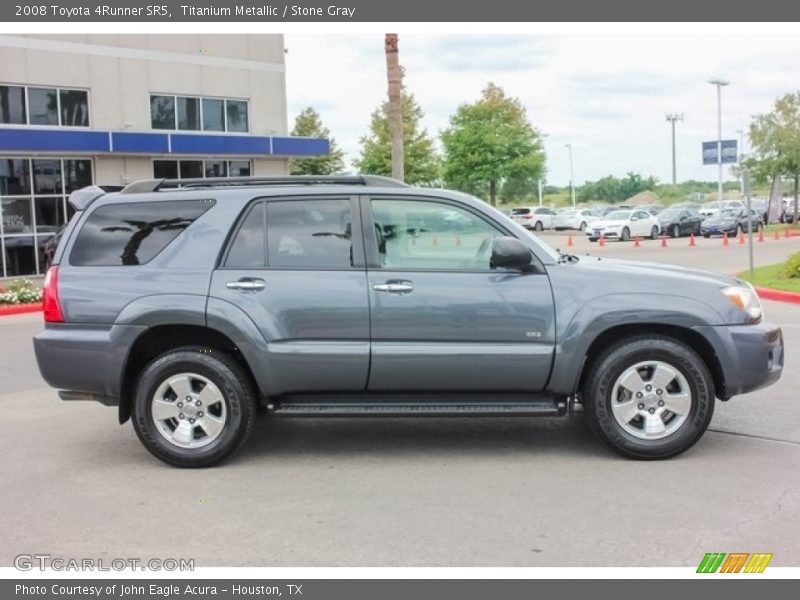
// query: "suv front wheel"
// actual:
[[193, 407], [649, 397]]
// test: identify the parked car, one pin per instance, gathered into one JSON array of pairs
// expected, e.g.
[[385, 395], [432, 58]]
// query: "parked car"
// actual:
[[653, 209], [624, 224], [690, 205], [676, 222], [354, 296], [788, 212], [535, 218], [729, 221], [712, 208], [576, 218]]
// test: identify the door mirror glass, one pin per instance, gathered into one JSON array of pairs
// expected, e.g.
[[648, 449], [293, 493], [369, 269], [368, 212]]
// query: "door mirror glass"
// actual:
[[510, 253]]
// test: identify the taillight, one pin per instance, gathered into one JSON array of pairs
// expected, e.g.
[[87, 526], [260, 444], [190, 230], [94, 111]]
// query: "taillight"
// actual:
[[529, 217], [52, 308]]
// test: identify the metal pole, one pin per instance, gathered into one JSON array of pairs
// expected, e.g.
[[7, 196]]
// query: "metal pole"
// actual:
[[571, 175], [674, 170], [746, 190], [540, 192]]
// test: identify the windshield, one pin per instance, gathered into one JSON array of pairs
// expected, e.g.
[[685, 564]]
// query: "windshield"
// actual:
[[521, 211], [711, 205], [728, 212], [669, 213], [618, 215]]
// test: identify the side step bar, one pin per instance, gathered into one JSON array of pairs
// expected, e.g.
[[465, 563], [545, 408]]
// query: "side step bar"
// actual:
[[427, 409]]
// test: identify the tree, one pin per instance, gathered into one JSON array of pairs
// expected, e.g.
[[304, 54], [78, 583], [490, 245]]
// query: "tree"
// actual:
[[775, 140], [421, 160], [395, 79], [489, 143], [309, 124], [612, 189]]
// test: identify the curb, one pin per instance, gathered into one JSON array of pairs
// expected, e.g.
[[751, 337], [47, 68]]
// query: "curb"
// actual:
[[19, 309], [778, 295]]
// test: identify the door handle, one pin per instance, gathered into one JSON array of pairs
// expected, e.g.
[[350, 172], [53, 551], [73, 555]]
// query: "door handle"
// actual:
[[246, 285], [394, 288]]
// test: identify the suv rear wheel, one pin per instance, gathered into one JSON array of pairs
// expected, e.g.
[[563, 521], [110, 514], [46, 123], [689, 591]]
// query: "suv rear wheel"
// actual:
[[193, 407], [649, 397]]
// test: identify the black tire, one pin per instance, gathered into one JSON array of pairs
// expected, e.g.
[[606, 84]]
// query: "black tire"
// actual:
[[231, 380], [675, 232], [583, 227], [706, 235], [538, 226], [613, 361], [654, 233], [592, 239]]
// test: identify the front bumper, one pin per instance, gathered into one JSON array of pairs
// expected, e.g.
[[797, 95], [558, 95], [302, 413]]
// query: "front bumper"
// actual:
[[750, 356], [718, 230]]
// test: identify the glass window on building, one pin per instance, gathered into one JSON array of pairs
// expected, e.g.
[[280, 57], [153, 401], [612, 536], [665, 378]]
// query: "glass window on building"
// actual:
[[165, 169], [162, 112], [33, 208], [239, 168], [74, 108], [191, 169], [184, 169], [188, 113], [236, 111], [43, 106], [215, 168], [213, 114], [12, 105]]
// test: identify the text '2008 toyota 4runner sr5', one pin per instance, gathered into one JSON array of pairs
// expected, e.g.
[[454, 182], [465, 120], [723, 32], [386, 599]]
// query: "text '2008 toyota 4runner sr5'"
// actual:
[[188, 303]]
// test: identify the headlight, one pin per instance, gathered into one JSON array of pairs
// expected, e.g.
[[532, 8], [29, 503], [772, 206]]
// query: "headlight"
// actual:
[[746, 298]]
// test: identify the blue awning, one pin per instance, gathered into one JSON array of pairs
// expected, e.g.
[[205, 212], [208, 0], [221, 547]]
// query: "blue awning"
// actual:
[[149, 143]]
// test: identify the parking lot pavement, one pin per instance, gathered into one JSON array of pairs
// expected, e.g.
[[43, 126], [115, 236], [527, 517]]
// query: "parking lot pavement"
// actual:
[[399, 492]]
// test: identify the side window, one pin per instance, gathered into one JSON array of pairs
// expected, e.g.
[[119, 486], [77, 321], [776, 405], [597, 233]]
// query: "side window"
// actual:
[[419, 234], [248, 250], [130, 234], [309, 234]]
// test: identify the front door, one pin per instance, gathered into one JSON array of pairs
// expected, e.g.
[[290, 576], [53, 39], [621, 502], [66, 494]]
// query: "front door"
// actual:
[[296, 268], [442, 319]]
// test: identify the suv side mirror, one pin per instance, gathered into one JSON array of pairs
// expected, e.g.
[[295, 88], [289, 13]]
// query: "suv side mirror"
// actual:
[[510, 253]]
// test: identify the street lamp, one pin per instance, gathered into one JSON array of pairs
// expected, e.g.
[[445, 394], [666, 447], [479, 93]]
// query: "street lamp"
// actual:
[[720, 83], [571, 174], [741, 159], [671, 119]]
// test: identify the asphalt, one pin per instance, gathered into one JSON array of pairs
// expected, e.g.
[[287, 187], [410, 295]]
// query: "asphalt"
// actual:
[[406, 492]]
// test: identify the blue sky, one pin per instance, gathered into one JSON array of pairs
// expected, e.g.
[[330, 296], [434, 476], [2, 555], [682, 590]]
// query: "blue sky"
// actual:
[[607, 95]]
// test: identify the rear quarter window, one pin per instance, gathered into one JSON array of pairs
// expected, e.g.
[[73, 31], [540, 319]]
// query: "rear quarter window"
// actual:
[[130, 234]]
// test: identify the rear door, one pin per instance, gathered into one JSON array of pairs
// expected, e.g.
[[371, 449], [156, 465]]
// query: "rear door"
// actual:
[[295, 266], [442, 319]]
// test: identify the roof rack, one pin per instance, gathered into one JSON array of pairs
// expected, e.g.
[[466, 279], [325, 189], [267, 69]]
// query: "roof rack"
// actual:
[[154, 185]]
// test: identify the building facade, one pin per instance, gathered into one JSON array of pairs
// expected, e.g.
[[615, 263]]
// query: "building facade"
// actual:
[[78, 110]]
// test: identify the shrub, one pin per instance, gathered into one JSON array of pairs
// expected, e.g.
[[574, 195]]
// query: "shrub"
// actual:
[[792, 266], [20, 291]]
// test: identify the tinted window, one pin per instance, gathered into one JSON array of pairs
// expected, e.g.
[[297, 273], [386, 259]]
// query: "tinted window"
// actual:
[[12, 105], [237, 115], [74, 108], [77, 174], [189, 114], [213, 115], [43, 105], [165, 169], [248, 250], [47, 176], [162, 112], [132, 234], [191, 169], [15, 177], [309, 234], [521, 211], [413, 234]]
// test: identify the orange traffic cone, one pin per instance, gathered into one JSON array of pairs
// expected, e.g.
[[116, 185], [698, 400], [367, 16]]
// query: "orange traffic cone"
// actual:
[[775, 234], [602, 240], [761, 235], [741, 238], [663, 240], [725, 241], [570, 244], [692, 241], [637, 242]]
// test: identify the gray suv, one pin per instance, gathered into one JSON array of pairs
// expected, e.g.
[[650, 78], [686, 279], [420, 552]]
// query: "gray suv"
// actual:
[[189, 304]]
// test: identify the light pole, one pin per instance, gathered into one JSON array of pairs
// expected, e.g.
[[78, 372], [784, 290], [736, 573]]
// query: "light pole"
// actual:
[[741, 158], [571, 174], [720, 83], [671, 119]]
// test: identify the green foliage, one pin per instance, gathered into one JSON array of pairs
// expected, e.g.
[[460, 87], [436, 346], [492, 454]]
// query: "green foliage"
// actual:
[[775, 138], [309, 124], [792, 266], [612, 189], [422, 164], [489, 144], [20, 291]]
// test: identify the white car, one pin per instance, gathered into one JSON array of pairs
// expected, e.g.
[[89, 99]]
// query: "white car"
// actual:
[[623, 225], [574, 218], [535, 218], [710, 209]]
